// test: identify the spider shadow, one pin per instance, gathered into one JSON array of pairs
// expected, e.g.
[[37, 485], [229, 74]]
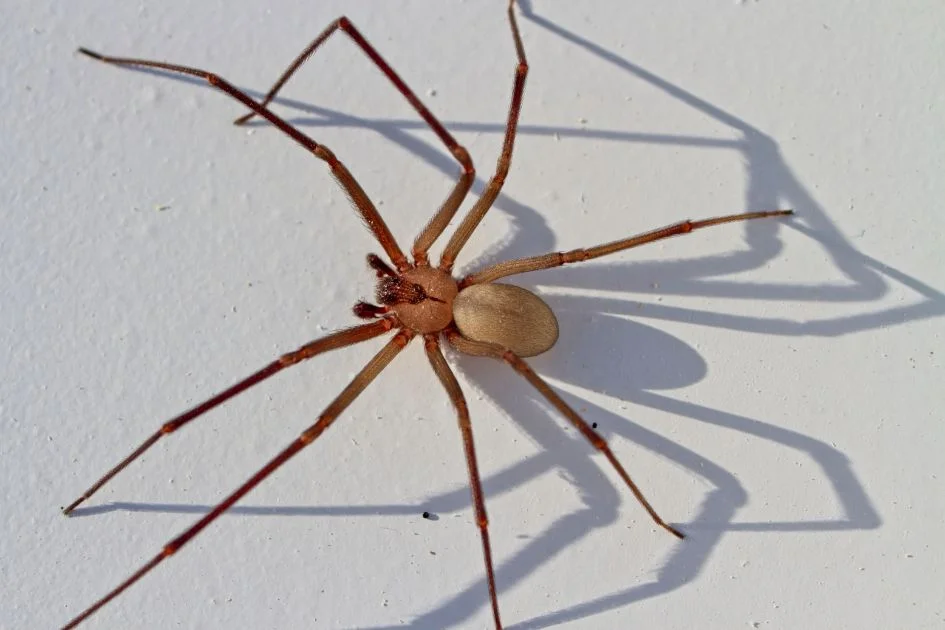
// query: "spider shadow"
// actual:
[[638, 381], [659, 362], [770, 183]]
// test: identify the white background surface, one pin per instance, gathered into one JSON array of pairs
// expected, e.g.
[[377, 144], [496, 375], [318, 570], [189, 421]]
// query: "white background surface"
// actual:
[[774, 387]]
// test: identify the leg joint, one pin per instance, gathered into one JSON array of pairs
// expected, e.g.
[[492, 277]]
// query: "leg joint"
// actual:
[[515, 361], [462, 156], [403, 338], [597, 441], [324, 153], [309, 435]]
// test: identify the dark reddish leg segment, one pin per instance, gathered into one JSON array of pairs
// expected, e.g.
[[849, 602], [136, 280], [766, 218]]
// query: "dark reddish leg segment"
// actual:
[[478, 211], [556, 259], [448, 379], [344, 24], [479, 348], [381, 360], [441, 219], [339, 171], [333, 341]]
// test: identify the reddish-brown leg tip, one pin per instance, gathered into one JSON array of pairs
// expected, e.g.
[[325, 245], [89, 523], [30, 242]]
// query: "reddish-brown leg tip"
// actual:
[[90, 53]]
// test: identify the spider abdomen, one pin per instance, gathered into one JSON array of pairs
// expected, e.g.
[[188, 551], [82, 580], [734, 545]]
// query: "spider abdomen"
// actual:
[[506, 315]]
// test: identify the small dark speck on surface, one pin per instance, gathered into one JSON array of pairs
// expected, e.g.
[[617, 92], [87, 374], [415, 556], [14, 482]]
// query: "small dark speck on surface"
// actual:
[[430, 516], [593, 425]]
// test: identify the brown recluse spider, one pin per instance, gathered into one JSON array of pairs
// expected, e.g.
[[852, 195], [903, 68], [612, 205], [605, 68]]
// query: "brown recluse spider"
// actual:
[[475, 314]]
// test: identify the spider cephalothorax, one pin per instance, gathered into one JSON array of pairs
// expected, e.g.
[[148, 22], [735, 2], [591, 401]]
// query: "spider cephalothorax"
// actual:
[[475, 315], [421, 298], [426, 300]]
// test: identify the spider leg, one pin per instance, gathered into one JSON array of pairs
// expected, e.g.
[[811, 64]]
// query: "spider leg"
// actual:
[[339, 171], [436, 225], [556, 259], [478, 211], [479, 348], [446, 376], [339, 339], [325, 420]]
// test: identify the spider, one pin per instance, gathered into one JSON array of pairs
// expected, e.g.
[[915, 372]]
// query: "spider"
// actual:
[[475, 314]]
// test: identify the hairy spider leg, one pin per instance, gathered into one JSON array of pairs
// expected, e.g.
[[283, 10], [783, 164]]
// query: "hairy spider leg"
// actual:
[[482, 349], [488, 197], [367, 374], [339, 171], [438, 223], [451, 385], [556, 259], [333, 341]]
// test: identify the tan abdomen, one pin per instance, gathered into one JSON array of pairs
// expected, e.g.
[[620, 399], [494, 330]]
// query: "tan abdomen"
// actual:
[[506, 315]]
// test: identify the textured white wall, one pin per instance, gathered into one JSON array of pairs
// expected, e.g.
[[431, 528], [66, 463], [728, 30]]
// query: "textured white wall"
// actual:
[[773, 387]]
